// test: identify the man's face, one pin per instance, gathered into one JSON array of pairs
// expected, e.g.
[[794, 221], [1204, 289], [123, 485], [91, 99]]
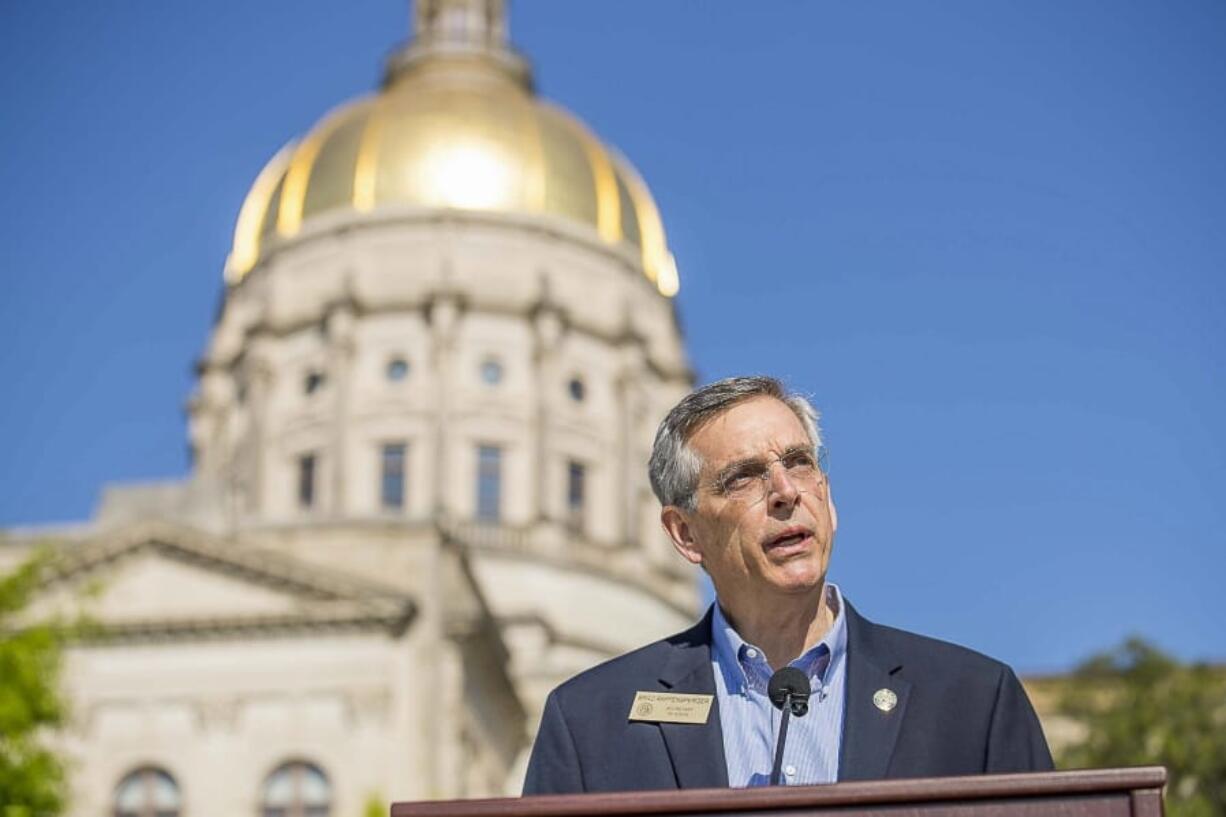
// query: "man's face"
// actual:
[[774, 540]]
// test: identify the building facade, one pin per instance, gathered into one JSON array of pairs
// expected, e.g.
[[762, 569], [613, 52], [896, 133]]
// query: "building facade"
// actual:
[[419, 496]]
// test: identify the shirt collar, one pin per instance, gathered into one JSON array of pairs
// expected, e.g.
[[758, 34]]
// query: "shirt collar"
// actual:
[[744, 665]]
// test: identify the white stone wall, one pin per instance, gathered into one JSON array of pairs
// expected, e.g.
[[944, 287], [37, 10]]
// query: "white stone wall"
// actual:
[[221, 716]]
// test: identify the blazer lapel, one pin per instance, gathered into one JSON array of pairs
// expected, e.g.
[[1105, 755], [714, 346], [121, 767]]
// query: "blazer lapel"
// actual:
[[869, 733], [696, 750]]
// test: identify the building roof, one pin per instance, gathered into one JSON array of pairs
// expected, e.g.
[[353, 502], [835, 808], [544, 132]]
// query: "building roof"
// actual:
[[158, 581]]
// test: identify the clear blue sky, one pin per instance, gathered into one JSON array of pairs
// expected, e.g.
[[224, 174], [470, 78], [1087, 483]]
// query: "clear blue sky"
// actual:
[[988, 237]]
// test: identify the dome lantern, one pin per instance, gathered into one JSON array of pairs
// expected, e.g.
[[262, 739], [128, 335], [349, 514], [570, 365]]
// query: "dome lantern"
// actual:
[[459, 29]]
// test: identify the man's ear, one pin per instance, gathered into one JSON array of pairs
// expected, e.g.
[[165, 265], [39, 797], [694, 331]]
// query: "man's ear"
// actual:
[[679, 530], [834, 513]]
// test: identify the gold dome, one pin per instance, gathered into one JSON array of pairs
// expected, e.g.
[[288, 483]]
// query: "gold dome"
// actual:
[[457, 130]]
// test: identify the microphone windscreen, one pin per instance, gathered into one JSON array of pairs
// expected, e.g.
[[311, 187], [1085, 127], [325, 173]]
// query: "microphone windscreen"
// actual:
[[788, 680]]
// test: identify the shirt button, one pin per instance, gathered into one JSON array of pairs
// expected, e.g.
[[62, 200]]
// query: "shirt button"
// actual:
[[790, 771], [751, 653]]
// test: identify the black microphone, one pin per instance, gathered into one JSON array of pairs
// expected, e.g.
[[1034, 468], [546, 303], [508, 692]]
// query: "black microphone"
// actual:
[[788, 690], [790, 686]]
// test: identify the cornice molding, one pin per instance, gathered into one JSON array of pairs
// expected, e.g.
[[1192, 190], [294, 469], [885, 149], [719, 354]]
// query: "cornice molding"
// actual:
[[152, 631], [684, 375]]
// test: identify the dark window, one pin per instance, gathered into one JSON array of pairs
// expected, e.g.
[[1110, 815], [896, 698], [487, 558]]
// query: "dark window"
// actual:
[[491, 372], [391, 490], [489, 483], [296, 790], [313, 382], [577, 390], [147, 792], [576, 493], [397, 369], [306, 481]]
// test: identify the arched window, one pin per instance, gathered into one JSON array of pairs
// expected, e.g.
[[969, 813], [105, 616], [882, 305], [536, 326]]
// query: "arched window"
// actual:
[[296, 789], [147, 792]]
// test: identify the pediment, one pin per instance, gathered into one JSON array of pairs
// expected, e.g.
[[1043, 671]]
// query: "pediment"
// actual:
[[149, 584], [157, 580]]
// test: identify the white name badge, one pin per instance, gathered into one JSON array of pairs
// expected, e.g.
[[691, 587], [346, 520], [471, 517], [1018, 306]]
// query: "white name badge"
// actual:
[[670, 707]]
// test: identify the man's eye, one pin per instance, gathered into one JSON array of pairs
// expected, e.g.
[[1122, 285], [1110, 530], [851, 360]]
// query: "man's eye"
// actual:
[[739, 480], [801, 460]]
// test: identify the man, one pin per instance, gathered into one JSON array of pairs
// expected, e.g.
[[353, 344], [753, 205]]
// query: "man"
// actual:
[[736, 466]]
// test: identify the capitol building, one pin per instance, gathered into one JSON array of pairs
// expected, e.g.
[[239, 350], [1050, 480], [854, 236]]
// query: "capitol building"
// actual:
[[419, 436]]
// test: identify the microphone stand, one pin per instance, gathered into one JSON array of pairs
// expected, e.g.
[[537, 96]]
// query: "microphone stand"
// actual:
[[789, 690], [777, 769]]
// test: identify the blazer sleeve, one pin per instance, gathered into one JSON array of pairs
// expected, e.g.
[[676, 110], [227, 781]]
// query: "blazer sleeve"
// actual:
[[554, 765], [1015, 742]]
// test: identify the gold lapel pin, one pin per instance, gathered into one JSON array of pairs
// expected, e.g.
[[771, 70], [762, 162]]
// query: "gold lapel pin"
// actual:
[[885, 699]]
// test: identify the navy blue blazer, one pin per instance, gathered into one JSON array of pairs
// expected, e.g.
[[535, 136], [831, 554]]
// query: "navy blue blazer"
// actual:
[[958, 713]]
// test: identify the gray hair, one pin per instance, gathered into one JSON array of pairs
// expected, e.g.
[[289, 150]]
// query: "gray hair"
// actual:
[[674, 466]]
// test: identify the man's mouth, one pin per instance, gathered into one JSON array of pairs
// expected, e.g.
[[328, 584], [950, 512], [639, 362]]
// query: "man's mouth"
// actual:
[[790, 538]]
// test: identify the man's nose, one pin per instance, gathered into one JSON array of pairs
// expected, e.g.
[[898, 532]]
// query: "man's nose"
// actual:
[[781, 490]]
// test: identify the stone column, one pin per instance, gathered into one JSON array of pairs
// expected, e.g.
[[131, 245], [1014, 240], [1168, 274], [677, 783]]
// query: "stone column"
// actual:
[[340, 329], [629, 412], [548, 328], [261, 375], [443, 314]]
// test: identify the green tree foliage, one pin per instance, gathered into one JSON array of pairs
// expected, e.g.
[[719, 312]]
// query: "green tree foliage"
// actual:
[[1141, 707], [32, 782], [374, 806]]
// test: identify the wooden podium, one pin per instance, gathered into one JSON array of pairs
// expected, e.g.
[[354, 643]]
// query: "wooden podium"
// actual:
[[1093, 793]]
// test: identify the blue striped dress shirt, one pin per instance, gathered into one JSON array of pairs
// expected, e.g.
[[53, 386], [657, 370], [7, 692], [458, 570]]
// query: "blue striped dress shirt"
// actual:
[[750, 722]]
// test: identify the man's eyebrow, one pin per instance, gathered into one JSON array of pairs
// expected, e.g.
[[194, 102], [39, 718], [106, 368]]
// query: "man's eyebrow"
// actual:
[[737, 465], [745, 462]]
